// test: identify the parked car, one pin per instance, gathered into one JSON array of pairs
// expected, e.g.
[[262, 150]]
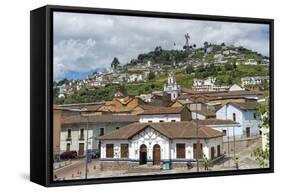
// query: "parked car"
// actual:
[[68, 155]]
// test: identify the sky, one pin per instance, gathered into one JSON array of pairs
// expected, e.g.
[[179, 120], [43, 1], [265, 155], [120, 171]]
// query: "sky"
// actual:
[[84, 42]]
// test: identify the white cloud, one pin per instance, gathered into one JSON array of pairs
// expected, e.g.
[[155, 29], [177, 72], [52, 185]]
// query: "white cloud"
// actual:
[[87, 41]]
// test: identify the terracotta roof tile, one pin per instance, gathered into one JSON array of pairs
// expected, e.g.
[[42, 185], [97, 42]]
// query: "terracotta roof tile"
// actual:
[[162, 110], [216, 122], [245, 106], [172, 130], [99, 119]]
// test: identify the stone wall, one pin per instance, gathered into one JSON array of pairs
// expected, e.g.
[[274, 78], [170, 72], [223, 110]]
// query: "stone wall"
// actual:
[[115, 165], [228, 146]]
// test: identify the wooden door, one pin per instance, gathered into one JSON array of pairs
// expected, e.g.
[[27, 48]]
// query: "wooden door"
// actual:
[[212, 152], [81, 149], [143, 154], [248, 131], [218, 150], [156, 155], [200, 151]]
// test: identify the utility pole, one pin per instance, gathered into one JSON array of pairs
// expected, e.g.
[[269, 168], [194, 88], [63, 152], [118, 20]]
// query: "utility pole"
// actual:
[[197, 136]]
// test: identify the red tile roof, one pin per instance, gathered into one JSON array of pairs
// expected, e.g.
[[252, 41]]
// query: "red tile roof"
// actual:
[[74, 119], [172, 130], [245, 106], [216, 122], [162, 110]]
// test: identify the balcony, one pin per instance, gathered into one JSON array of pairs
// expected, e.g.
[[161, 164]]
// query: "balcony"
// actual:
[[68, 139]]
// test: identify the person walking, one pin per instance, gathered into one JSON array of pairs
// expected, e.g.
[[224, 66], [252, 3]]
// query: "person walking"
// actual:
[[237, 162], [206, 163]]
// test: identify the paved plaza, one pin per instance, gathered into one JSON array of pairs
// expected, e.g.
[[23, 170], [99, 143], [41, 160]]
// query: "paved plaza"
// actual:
[[76, 169]]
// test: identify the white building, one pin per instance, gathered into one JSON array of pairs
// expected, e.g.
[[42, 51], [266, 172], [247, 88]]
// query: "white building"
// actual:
[[210, 81], [156, 143], [254, 80], [251, 62], [165, 114], [235, 87], [135, 78], [219, 59], [243, 113], [172, 87], [74, 130]]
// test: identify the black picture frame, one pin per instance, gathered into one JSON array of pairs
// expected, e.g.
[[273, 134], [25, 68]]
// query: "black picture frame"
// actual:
[[41, 71]]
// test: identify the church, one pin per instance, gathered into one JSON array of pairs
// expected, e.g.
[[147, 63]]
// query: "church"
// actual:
[[162, 142], [171, 87]]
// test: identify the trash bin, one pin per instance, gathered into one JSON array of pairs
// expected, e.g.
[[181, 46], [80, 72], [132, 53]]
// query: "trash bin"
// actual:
[[167, 166]]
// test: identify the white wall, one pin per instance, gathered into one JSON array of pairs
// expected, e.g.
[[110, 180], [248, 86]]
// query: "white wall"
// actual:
[[14, 38], [245, 118], [199, 116], [158, 118], [150, 137]]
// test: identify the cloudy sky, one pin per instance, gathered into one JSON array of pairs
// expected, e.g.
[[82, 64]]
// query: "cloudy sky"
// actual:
[[85, 42]]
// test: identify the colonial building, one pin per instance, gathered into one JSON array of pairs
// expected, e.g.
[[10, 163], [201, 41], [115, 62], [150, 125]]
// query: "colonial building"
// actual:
[[73, 134], [172, 87], [153, 143], [243, 113]]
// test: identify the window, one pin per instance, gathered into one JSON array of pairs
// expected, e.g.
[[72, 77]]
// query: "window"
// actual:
[[200, 151], [109, 150], [68, 133], [173, 121], [117, 128], [255, 115], [101, 131], [224, 132], [149, 121], [248, 131], [234, 117], [124, 151], [81, 134], [218, 150], [180, 150], [68, 147], [161, 121]]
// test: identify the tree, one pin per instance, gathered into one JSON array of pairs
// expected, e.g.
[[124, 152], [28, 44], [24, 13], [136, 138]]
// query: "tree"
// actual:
[[151, 75], [206, 44], [115, 63], [262, 153], [228, 67], [189, 69]]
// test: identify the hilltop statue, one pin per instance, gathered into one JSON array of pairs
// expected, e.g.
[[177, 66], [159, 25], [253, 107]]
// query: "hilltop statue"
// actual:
[[187, 37]]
